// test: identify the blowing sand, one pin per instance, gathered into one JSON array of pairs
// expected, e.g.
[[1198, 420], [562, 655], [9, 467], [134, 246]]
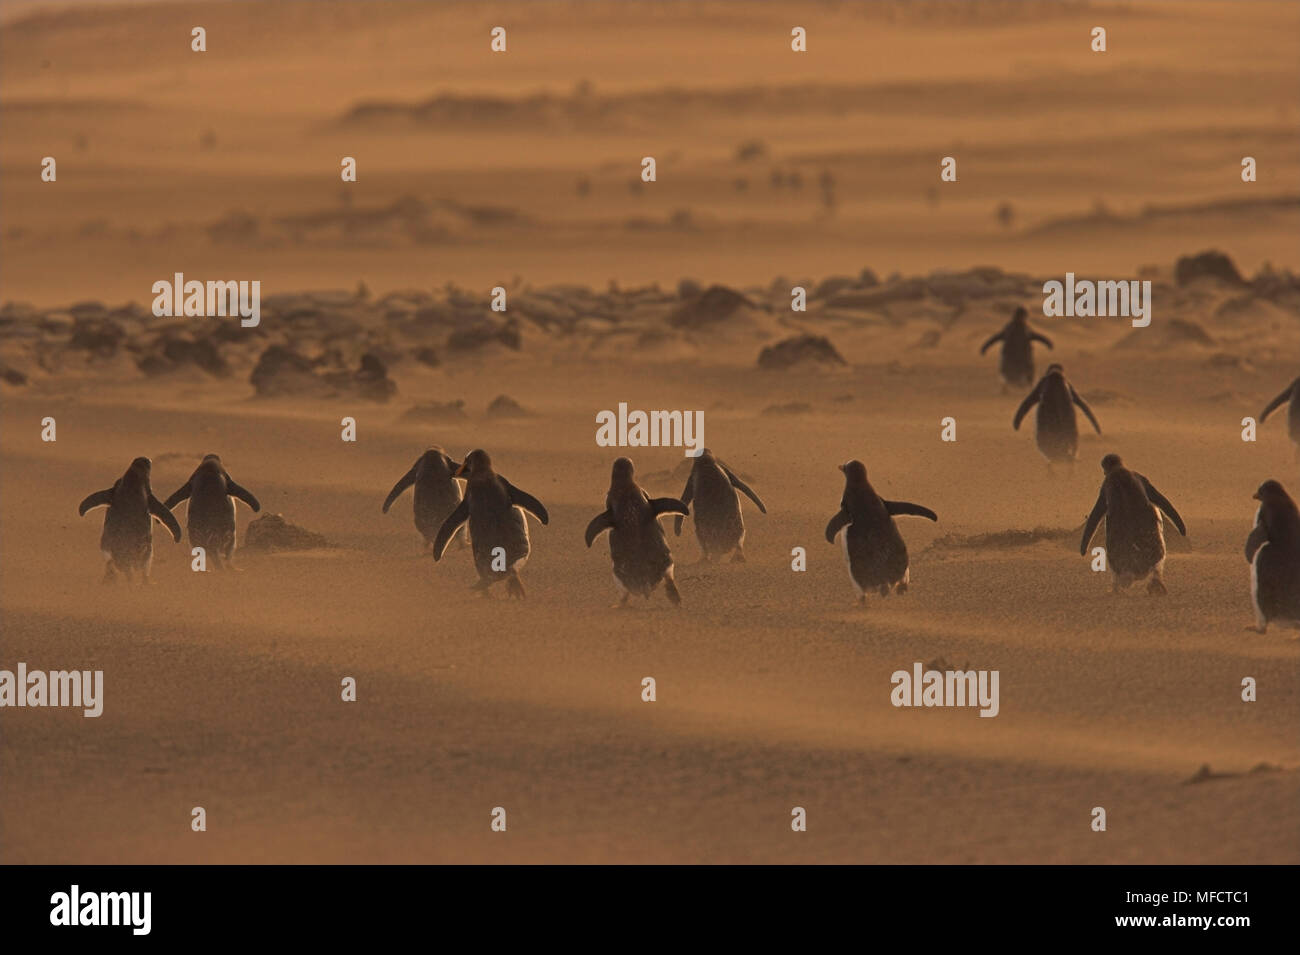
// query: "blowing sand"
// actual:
[[222, 690]]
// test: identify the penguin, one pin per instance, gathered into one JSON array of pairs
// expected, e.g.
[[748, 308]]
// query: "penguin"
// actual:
[[494, 509], [211, 518], [1135, 535], [873, 548], [1056, 429], [1017, 363], [436, 493], [1290, 397], [719, 525], [1273, 552], [636, 541], [127, 540]]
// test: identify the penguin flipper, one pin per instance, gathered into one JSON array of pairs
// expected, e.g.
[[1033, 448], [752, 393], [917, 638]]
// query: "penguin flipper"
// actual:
[[602, 522], [687, 495], [449, 528], [158, 510], [1030, 400], [1162, 502], [99, 499], [1074, 396], [525, 500], [667, 505], [993, 341], [180, 494], [743, 488], [913, 510], [1277, 402], [405, 481], [1257, 539], [1090, 526], [243, 494], [837, 523]]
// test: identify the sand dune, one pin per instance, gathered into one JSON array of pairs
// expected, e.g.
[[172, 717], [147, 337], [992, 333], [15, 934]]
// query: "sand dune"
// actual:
[[222, 689]]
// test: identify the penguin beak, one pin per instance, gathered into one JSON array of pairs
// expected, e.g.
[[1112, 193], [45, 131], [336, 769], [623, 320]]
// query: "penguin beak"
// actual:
[[463, 470], [1256, 497], [842, 467]]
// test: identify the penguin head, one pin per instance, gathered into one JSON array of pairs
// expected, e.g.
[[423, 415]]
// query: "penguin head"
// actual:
[[623, 471], [705, 457], [211, 462], [138, 473], [1271, 491], [476, 463], [855, 472], [1056, 368], [1020, 316], [1110, 462]]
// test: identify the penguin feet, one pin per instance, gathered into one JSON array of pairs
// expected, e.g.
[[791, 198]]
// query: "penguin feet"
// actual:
[[670, 588], [738, 557], [862, 600], [884, 591], [901, 587], [1157, 587], [515, 586], [1262, 628]]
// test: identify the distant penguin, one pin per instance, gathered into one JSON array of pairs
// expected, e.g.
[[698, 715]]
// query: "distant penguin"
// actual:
[[1135, 535], [719, 525], [211, 517], [1290, 397], [494, 509], [436, 493], [1273, 552], [636, 541], [1056, 429], [1017, 364], [127, 540], [873, 548]]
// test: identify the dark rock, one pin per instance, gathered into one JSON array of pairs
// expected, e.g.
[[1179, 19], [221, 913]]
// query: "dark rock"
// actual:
[[813, 349], [503, 406], [1211, 264]]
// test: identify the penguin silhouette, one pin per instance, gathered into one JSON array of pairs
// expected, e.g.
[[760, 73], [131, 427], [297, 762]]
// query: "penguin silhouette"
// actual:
[[1273, 552], [210, 518], [1056, 429], [1290, 397], [433, 475], [637, 544], [1016, 365], [719, 524], [1135, 536], [873, 548], [498, 529], [127, 538]]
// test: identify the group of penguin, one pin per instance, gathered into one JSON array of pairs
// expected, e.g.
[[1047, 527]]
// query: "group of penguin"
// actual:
[[1133, 508], [493, 510]]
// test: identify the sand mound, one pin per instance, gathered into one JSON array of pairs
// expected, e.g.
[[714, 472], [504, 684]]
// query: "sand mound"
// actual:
[[281, 371], [1211, 264], [271, 533], [800, 350], [715, 305], [483, 335], [1002, 540], [503, 406]]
